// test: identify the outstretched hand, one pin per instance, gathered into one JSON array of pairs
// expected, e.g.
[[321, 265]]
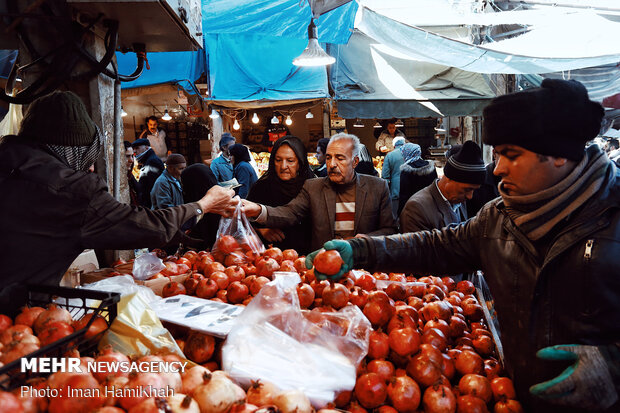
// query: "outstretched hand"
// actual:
[[586, 384], [346, 253], [219, 200]]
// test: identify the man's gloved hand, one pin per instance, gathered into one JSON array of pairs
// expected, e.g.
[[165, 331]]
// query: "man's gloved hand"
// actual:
[[346, 253], [586, 384]]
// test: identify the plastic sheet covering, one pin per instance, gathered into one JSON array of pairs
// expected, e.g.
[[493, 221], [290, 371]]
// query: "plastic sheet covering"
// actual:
[[572, 41], [276, 18], [274, 340], [247, 67], [368, 73]]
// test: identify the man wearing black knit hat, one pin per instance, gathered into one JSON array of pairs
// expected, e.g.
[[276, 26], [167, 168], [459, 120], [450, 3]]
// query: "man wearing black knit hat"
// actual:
[[52, 208], [443, 202], [548, 246]]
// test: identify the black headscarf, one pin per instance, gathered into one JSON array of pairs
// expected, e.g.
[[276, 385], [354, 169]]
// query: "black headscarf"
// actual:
[[240, 152], [197, 179], [284, 191]]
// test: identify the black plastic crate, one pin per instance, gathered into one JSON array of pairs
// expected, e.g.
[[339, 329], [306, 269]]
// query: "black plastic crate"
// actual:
[[76, 301]]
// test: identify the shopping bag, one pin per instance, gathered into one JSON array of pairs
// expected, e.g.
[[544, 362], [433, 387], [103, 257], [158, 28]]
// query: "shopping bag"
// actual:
[[239, 228]]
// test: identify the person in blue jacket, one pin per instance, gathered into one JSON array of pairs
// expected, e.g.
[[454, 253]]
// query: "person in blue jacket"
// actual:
[[242, 169], [221, 166]]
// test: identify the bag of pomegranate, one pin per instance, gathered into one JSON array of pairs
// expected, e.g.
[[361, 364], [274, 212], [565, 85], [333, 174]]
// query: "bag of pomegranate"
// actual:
[[236, 235], [274, 340]]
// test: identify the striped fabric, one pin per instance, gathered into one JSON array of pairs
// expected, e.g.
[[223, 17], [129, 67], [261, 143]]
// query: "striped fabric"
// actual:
[[344, 223]]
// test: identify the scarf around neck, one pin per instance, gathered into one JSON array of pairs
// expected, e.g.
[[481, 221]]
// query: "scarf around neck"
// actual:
[[536, 214]]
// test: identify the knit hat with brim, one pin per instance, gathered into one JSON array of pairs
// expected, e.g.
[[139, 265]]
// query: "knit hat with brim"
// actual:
[[59, 118], [466, 166], [556, 119]]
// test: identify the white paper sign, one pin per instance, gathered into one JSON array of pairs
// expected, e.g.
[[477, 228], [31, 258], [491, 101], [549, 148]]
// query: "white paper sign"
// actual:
[[197, 313]]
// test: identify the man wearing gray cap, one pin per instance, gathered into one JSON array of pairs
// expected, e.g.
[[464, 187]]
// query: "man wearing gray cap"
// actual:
[[167, 191], [443, 202], [221, 166], [548, 246]]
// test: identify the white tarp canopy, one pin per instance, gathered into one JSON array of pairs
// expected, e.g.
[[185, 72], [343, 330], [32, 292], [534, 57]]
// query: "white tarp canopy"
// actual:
[[571, 41]]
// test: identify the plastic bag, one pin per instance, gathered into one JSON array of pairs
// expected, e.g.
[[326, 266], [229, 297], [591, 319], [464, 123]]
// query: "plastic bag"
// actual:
[[274, 340], [147, 265], [241, 230], [11, 121], [483, 293]]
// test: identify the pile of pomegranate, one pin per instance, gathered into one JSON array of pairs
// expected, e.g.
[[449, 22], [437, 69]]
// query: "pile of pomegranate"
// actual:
[[429, 351]]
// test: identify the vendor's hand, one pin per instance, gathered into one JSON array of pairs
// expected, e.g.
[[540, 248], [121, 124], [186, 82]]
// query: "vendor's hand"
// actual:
[[586, 384], [219, 200], [271, 234], [346, 253], [383, 149], [251, 209]]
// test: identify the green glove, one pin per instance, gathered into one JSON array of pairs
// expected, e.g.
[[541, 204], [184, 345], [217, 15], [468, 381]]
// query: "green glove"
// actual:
[[586, 384], [346, 253]]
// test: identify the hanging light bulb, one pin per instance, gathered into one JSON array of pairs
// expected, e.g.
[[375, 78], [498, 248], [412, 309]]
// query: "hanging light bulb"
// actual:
[[214, 114], [399, 123], [313, 54], [123, 113], [236, 125], [288, 120], [377, 125], [255, 118], [275, 120], [358, 123], [166, 116], [309, 115]]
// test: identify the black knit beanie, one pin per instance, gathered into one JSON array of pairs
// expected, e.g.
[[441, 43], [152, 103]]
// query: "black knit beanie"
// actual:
[[59, 118], [556, 119], [466, 166]]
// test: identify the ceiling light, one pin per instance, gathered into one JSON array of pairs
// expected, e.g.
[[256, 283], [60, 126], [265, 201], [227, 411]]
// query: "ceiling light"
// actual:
[[166, 116], [399, 123], [255, 118], [358, 123], [214, 114], [275, 120], [309, 115], [288, 120], [123, 113], [313, 54], [236, 125], [377, 125]]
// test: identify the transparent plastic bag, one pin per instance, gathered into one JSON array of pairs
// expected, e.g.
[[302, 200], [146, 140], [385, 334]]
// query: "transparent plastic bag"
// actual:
[[274, 340], [147, 265], [487, 302], [241, 230]]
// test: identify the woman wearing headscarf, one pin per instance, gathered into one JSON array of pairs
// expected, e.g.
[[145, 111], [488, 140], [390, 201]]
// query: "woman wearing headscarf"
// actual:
[[53, 208], [415, 173], [197, 179], [287, 172], [242, 169], [365, 165]]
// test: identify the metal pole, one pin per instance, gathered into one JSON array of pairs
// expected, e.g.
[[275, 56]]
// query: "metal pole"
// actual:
[[116, 174]]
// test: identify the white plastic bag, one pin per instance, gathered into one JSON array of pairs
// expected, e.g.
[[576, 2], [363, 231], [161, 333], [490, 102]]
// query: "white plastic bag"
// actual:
[[274, 340], [11, 122], [147, 265]]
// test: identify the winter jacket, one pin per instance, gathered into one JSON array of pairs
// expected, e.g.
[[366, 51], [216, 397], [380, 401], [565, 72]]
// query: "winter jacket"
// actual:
[[50, 213], [414, 177], [427, 210], [166, 192], [150, 169], [246, 176], [391, 171], [566, 293], [222, 169], [487, 191]]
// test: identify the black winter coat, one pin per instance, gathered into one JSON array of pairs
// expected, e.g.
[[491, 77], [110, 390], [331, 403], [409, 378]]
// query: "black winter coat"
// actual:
[[50, 213], [150, 169], [414, 177]]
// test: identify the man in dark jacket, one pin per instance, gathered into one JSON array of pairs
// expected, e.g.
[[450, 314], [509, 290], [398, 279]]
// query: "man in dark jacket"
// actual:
[[443, 202], [53, 207], [549, 248], [150, 168], [341, 205]]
